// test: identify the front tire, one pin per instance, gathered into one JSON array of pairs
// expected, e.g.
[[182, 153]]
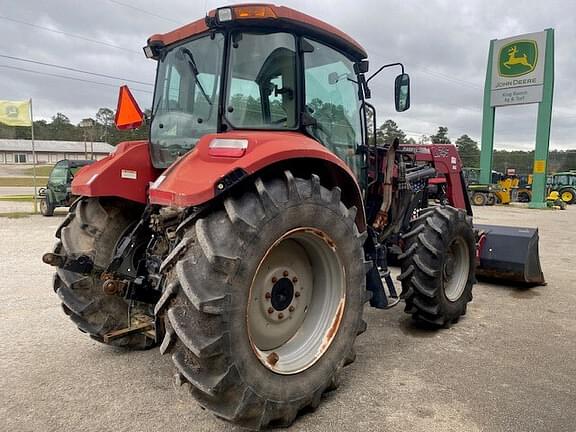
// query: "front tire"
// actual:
[[46, 207], [239, 271], [438, 266], [479, 198]]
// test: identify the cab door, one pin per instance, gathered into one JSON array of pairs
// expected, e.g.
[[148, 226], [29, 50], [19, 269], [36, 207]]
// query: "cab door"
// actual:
[[332, 100]]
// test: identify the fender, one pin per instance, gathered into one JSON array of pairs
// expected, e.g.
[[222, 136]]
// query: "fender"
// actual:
[[125, 173], [199, 177]]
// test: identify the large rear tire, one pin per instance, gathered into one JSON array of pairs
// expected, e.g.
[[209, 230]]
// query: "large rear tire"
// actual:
[[93, 228], [438, 266], [263, 306]]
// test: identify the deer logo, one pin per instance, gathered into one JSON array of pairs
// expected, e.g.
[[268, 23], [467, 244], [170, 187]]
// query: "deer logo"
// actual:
[[513, 60], [518, 58]]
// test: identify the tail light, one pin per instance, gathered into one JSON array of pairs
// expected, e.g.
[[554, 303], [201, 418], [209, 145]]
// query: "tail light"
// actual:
[[233, 148]]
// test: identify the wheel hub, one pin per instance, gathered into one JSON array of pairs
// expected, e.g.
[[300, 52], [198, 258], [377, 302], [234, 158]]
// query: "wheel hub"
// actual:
[[282, 294]]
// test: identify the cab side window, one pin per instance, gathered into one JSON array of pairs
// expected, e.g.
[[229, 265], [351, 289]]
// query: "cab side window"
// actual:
[[332, 101]]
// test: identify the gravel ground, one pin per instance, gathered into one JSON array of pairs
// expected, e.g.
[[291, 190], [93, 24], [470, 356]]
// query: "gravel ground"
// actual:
[[509, 365]]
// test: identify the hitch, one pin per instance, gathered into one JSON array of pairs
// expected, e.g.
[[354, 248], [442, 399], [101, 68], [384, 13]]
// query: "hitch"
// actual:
[[140, 324], [82, 264]]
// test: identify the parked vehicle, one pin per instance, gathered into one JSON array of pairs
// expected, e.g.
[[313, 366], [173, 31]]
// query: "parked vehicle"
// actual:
[[565, 184], [57, 192]]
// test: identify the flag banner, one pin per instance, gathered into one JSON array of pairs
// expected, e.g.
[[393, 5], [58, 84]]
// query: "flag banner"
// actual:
[[15, 113]]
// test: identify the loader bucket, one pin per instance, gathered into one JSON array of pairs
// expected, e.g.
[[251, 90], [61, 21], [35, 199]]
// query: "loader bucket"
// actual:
[[509, 254]]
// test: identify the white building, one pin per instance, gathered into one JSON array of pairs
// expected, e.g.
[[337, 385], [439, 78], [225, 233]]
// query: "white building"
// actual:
[[16, 151]]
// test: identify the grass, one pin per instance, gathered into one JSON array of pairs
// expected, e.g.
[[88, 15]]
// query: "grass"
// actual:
[[21, 181], [15, 215], [17, 198], [41, 171]]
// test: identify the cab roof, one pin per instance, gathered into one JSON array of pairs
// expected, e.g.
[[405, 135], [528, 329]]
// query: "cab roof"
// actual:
[[276, 17]]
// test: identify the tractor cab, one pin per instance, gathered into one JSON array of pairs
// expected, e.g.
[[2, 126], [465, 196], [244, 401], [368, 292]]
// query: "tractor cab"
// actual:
[[260, 68]]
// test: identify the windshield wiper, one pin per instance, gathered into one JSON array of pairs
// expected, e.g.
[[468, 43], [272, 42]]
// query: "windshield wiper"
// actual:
[[195, 72]]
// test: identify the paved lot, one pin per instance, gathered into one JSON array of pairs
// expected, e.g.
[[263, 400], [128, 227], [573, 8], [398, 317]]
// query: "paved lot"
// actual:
[[510, 365]]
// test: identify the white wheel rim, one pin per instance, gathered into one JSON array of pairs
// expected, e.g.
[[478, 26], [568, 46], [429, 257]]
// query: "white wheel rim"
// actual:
[[455, 270], [296, 302]]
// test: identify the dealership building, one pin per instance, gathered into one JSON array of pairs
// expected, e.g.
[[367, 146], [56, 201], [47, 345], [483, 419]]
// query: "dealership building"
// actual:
[[17, 151]]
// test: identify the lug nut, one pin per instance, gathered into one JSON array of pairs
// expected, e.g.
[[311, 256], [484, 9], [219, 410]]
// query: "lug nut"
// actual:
[[272, 359], [294, 279], [280, 315], [268, 295], [270, 310], [297, 294], [285, 273], [274, 279], [291, 308]]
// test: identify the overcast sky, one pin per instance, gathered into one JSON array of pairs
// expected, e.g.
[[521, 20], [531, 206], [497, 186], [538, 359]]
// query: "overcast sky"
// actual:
[[443, 44]]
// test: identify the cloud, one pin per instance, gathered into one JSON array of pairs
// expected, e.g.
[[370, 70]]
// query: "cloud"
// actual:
[[444, 46]]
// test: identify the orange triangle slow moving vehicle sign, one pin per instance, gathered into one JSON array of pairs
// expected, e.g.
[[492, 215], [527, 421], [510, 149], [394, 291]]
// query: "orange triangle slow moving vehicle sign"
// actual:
[[128, 113]]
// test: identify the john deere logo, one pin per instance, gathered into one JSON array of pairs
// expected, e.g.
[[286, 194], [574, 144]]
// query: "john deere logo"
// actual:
[[518, 58]]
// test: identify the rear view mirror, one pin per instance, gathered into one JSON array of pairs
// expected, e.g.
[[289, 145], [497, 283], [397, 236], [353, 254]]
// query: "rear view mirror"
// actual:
[[402, 92], [128, 113]]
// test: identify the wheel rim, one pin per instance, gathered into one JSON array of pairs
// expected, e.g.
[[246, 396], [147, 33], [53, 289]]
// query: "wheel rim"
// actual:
[[296, 302], [455, 269], [43, 206], [567, 196], [478, 199]]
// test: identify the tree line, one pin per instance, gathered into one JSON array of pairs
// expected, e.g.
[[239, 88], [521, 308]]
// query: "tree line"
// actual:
[[60, 128]]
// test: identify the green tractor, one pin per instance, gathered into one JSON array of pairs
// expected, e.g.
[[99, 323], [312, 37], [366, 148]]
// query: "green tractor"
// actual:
[[565, 184], [57, 192]]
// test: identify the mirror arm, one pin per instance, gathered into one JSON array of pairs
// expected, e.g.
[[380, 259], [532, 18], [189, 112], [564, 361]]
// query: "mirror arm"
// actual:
[[363, 84], [384, 67]]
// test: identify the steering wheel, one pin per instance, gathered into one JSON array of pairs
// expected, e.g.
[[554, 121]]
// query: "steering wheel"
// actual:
[[279, 121]]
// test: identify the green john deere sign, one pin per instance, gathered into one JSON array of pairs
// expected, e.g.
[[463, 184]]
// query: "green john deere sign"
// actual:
[[520, 71], [518, 58]]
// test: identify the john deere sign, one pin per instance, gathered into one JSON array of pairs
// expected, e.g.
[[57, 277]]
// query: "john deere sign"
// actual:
[[517, 69], [520, 71]]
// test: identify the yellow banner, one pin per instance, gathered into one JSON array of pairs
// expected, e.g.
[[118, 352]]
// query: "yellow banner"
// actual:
[[15, 113]]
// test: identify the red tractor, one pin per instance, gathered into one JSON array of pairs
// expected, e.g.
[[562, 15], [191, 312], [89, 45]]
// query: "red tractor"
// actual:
[[247, 234]]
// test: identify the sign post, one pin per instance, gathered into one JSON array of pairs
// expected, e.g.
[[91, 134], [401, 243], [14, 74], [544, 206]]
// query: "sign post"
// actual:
[[33, 158], [520, 71], [543, 128]]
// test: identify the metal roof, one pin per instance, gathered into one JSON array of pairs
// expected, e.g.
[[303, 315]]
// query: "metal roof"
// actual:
[[53, 146]]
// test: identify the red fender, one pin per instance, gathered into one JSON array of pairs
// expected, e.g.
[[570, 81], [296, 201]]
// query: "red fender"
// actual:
[[125, 173], [195, 178]]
